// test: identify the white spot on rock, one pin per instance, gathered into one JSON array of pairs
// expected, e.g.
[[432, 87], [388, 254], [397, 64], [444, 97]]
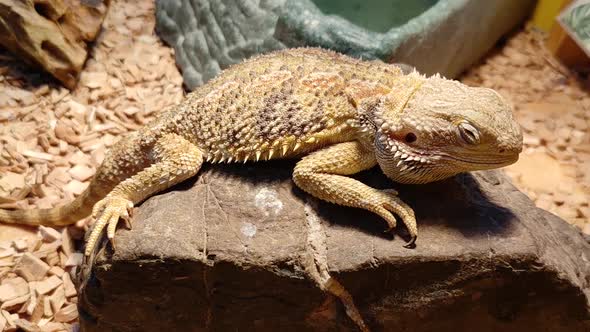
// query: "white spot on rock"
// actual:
[[267, 201], [248, 229]]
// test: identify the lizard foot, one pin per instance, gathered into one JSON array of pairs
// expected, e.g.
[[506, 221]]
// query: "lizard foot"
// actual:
[[386, 203], [107, 213]]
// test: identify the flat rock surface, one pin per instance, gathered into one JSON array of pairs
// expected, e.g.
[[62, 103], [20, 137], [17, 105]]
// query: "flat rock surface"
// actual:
[[238, 247]]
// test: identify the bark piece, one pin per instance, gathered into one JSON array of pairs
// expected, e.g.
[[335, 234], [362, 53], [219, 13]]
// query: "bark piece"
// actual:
[[26, 326], [49, 284], [67, 314], [10, 304], [47, 312], [67, 245], [57, 271], [75, 259], [57, 299], [70, 289], [13, 288], [53, 327], [49, 234], [31, 267], [52, 33], [20, 244], [9, 325]]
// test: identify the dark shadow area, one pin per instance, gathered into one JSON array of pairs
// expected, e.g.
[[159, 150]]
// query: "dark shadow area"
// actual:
[[265, 172], [457, 202], [24, 74]]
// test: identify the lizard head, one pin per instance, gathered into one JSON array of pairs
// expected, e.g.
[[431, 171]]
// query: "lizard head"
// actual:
[[428, 129]]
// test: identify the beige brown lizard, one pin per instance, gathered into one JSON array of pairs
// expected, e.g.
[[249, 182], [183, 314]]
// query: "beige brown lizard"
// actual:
[[340, 114]]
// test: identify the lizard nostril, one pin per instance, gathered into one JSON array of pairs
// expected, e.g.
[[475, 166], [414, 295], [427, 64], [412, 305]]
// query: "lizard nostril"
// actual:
[[502, 150]]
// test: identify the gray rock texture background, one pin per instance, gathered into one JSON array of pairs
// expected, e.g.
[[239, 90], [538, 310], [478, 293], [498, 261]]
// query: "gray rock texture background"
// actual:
[[237, 248], [210, 35], [449, 35]]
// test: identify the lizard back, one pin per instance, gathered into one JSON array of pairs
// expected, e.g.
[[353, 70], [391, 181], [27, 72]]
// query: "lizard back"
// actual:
[[281, 104]]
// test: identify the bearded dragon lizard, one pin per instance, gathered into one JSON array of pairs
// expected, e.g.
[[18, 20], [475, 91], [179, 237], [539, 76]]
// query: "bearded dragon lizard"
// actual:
[[340, 114]]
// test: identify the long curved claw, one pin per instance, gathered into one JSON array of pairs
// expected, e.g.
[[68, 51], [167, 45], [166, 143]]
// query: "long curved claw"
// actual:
[[412, 243], [108, 212], [390, 203]]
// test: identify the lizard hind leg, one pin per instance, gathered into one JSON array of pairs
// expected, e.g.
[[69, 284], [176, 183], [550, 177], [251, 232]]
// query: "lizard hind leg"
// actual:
[[175, 160]]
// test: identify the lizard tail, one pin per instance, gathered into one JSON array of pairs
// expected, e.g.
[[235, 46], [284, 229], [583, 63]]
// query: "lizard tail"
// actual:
[[58, 216]]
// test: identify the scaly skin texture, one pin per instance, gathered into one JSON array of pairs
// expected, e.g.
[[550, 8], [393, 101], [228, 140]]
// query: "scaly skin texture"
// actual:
[[340, 114]]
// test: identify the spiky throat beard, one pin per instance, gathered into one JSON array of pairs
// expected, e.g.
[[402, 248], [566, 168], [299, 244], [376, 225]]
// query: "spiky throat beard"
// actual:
[[405, 164]]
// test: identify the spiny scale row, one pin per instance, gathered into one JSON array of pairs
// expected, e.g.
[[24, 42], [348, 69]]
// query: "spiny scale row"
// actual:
[[220, 156]]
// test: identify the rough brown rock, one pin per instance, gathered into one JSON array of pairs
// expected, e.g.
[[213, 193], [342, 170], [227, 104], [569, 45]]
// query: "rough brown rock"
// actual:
[[237, 248], [52, 33]]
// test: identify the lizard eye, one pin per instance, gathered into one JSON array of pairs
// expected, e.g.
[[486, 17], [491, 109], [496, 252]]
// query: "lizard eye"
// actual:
[[468, 133]]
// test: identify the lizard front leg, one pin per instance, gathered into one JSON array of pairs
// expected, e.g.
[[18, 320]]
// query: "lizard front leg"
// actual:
[[322, 174], [175, 160]]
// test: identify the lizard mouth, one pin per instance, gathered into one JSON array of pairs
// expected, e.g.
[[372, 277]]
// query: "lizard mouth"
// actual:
[[492, 161], [499, 162]]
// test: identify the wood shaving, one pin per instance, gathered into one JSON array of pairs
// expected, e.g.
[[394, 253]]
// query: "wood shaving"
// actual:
[[51, 142]]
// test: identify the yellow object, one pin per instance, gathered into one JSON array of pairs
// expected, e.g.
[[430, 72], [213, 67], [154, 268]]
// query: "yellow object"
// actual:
[[546, 12]]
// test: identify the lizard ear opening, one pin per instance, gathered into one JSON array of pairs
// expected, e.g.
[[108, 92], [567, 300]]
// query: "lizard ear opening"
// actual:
[[407, 138], [410, 138]]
